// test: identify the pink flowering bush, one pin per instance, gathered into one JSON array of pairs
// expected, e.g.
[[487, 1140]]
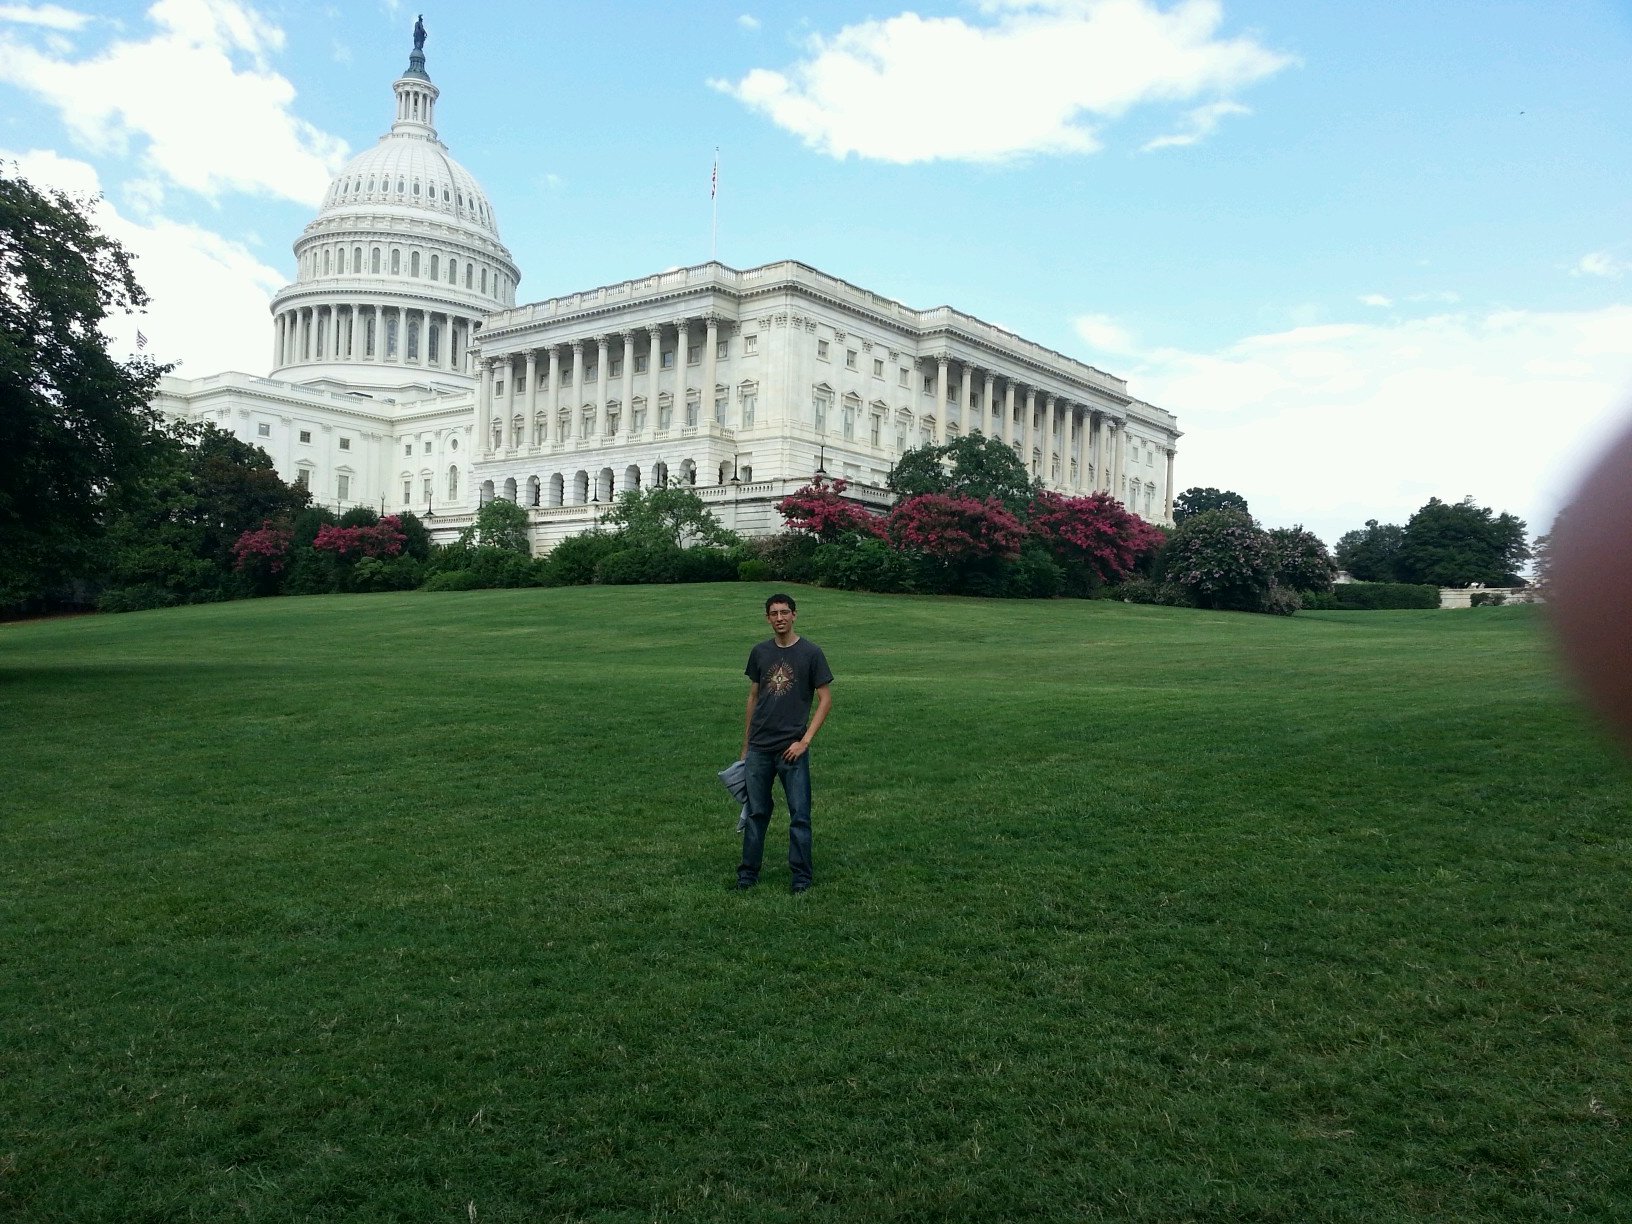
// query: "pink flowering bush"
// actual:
[[382, 539], [1223, 560], [961, 543], [265, 549], [1095, 532], [821, 509]]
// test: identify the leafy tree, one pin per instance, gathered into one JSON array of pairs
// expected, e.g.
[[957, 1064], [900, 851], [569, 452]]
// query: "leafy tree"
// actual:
[[1221, 559], [665, 517], [76, 423], [963, 543], [973, 466], [1371, 554], [1459, 544], [176, 526], [1301, 560], [499, 524], [1199, 501], [821, 509]]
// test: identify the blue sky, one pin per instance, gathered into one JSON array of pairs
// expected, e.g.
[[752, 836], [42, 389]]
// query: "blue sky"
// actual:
[[1369, 254]]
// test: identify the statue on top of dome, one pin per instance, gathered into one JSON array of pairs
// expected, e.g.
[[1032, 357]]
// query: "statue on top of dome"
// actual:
[[419, 32]]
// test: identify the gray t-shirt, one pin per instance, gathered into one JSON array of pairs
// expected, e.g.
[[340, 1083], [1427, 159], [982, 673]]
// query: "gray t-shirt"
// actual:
[[788, 677]]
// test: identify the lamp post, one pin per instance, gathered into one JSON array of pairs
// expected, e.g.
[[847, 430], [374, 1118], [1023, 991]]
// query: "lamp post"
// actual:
[[821, 462], [736, 489]]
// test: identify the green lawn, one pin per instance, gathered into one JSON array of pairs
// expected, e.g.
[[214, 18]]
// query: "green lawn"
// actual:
[[414, 907]]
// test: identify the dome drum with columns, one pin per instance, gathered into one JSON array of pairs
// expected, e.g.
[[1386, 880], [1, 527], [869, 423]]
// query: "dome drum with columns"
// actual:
[[405, 377]]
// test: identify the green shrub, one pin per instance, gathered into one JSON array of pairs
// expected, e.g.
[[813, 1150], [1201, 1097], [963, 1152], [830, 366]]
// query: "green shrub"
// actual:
[[572, 562], [493, 566], [452, 580], [1375, 596], [1281, 601], [1034, 574], [707, 564], [789, 555], [312, 573], [639, 566], [135, 599], [386, 574], [1149, 591], [359, 516], [1487, 599], [753, 570], [856, 564]]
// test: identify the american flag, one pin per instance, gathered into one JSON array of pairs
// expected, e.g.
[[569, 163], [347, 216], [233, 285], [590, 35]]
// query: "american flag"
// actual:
[[141, 339], [714, 179]]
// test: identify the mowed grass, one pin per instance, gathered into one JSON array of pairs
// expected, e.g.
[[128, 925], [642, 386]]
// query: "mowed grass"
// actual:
[[415, 908]]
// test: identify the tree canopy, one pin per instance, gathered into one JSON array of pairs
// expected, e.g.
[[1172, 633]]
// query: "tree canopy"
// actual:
[[1196, 501], [77, 423], [973, 466], [1370, 553], [672, 516], [1458, 544]]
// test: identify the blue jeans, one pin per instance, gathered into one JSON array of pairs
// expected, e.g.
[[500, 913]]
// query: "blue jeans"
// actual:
[[795, 775]]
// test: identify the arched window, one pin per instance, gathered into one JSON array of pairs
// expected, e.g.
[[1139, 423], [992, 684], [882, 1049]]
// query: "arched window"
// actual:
[[396, 262], [580, 487], [631, 478], [413, 264], [534, 491], [603, 485], [556, 484], [470, 277], [484, 280], [356, 259], [510, 489], [374, 261], [328, 261], [436, 273], [340, 262], [746, 474], [660, 475], [453, 271], [453, 483]]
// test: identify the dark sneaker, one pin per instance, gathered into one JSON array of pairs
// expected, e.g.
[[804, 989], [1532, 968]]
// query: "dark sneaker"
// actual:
[[743, 885], [800, 886]]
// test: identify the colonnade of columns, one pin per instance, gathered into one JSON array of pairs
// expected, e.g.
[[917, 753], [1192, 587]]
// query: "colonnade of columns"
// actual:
[[1042, 426], [373, 332], [572, 375]]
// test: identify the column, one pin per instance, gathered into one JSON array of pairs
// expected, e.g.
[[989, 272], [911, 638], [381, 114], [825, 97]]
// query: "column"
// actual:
[[682, 341], [966, 384], [532, 391], [1008, 412], [628, 381], [1167, 498], [1030, 432], [603, 375], [940, 399], [574, 413], [1119, 436], [1050, 408], [1068, 421], [484, 405], [654, 363], [986, 404], [711, 348]]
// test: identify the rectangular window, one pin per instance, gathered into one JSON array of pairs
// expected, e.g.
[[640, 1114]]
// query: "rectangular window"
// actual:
[[694, 354], [407, 491], [877, 426], [640, 363], [849, 424], [750, 345], [929, 383], [905, 377], [878, 368], [303, 478], [850, 359], [521, 384], [821, 415], [723, 349], [345, 443], [719, 409], [691, 414], [427, 446], [821, 349], [498, 389], [566, 372], [668, 359], [591, 372], [407, 448], [749, 403], [263, 431], [342, 487], [615, 370], [427, 489], [305, 435]]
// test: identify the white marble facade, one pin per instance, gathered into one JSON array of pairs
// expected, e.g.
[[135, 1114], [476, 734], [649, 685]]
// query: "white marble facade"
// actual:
[[405, 377]]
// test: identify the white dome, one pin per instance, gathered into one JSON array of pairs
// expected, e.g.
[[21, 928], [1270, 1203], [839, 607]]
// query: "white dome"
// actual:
[[410, 173], [400, 267]]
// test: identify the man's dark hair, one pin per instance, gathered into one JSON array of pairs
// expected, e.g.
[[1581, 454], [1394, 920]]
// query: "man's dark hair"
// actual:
[[780, 598]]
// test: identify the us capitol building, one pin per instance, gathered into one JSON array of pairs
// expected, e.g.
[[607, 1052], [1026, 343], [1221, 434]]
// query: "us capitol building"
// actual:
[[404, 374]]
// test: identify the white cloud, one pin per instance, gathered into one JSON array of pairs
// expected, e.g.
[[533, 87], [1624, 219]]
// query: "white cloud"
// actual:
[[50, 16], [1103, 334], [196, 99], [209, 294], [1601, 263], [1037, 76], [1335, 424], [1200, 122], [748, 21], [1376, 299]]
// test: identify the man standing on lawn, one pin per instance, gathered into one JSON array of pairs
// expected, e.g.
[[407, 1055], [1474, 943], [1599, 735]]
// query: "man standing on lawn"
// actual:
[[784, 673]]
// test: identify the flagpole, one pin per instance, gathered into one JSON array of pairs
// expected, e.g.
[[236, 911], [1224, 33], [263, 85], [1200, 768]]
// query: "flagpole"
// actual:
[[714, 203]]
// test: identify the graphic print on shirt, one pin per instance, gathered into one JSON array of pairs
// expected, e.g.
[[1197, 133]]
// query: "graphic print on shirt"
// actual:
[[779, 679]]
